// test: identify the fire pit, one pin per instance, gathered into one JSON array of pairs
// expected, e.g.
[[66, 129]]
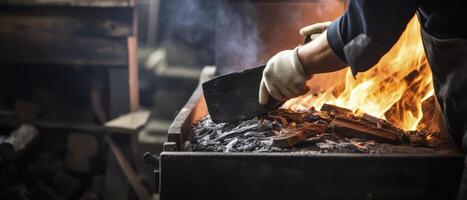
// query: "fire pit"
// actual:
[[297, 175], [332, 129], [314, 148]]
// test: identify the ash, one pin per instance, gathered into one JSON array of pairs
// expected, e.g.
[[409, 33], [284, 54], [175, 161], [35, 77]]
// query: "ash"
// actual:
[[245, 136], [255, 135]]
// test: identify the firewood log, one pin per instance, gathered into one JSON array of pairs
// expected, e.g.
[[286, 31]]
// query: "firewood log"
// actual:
[[291, 137], [18, 141], [354, 128], [336, 110]]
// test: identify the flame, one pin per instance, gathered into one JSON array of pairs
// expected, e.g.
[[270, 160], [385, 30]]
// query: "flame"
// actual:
[[393, 89]]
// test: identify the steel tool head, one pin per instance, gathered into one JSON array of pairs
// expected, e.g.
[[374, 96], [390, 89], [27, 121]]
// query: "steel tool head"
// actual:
[[234, 96]]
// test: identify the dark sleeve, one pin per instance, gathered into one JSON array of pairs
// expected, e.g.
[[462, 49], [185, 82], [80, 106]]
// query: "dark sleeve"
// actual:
[[368, 29]]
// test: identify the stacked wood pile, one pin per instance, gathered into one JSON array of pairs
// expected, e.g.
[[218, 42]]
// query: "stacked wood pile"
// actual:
[[18, 142], [72, 154], [67, 65], [50, 166]]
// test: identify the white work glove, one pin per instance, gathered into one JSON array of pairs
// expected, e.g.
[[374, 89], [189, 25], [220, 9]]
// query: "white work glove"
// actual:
[[283, 77], [314, 30]]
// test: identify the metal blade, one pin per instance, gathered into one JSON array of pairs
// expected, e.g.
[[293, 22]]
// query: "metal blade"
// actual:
[[234, 96]]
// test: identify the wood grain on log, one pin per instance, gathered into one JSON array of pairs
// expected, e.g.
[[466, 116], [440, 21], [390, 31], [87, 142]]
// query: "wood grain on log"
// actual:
[[335, 109], [18, 141], [354, 128], [295, 136]]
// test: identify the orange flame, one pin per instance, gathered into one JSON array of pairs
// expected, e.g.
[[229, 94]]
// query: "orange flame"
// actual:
[[393, 89]]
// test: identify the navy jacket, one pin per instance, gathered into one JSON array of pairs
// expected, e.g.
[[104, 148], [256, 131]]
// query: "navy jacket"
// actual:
[[369, 28]]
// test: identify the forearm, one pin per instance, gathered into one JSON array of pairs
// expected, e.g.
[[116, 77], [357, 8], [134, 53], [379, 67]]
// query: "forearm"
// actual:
[[318, 57]]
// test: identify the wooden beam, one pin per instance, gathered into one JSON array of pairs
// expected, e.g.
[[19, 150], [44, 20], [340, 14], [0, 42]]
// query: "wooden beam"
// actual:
[[92, 22], [128, 123], [61, 49], [133, 73], [129, 172]]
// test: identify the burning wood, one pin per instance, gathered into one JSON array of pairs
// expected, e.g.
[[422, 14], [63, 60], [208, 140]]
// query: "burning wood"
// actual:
[[296, 127], [394, 88], [332, 127], [354, 128], [399, 88]]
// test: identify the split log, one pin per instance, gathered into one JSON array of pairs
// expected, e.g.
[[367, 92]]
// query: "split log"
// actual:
[[381, 123], [18, 141], [336, 110], [356, 129], [291, 137], [365, 121]]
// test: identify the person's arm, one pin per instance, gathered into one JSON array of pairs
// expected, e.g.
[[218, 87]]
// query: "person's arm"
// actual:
[[359, 38], [367, 30], [317, 57]]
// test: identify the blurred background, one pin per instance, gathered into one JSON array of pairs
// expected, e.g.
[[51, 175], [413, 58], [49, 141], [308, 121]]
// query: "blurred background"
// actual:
[[177, 38], [88, 86]]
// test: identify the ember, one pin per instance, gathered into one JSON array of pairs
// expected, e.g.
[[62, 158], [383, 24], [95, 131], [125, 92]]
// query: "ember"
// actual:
[[333, 129]]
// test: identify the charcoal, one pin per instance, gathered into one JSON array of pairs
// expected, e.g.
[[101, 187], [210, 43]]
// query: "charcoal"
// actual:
[[248, 135], [248, 125], [230, 145], [324, 145], [267, 125], [309, 131], [266, 142], [255, 134], [311, 118]]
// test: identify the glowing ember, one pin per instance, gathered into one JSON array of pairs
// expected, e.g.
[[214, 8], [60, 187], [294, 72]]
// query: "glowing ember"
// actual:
[[393, 89]]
